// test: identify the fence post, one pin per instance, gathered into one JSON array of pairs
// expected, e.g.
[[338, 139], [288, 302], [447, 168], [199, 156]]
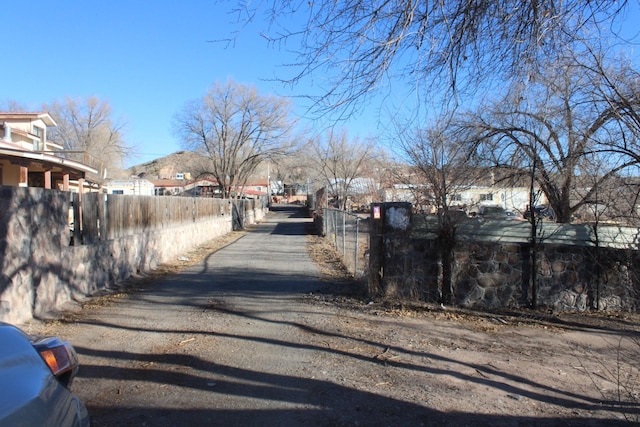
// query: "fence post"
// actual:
[[344, 234], [334, 215], [375, 249], [355, 252], [325, 210], [103, 223], [390, 222], [77, 219]]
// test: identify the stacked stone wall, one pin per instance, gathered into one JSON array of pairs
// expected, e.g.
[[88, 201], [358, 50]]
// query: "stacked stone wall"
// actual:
[[491, 265], [491, 275], [41, 272], [488, 275]]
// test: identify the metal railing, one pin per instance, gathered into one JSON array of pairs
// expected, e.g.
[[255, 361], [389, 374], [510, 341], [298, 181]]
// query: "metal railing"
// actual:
[[349, 234]]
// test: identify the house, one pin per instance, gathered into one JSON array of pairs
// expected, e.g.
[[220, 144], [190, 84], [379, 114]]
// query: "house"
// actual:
[[500, 187], [470, 190], [168, 187], [203, 187], [29, 159], [134, 186], [514, 198], [256, 188]]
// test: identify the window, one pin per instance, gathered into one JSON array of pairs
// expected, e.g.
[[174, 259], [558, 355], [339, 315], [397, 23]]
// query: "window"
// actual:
[[486, 197], [117, 192], [37, 142], [456, 197]]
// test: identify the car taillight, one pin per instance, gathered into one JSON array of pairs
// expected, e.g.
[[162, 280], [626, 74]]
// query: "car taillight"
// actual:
[[58, 360], [60, 357]]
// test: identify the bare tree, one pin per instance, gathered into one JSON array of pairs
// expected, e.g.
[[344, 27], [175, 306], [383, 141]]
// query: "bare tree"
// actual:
[[234, 129], [88, 126], [616, 84], [442, 164], [12, 105], [551, 125], [340, 161], [359, 45]]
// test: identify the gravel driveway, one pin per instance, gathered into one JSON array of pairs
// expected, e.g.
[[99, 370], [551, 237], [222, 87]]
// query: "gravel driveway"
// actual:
[[248, 336]]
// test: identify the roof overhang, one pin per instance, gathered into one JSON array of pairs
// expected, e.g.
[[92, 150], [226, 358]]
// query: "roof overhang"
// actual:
[[48, 161], [45, 117]]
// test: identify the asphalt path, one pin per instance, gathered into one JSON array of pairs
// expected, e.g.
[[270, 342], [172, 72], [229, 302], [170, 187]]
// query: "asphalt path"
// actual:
[[227, 341]]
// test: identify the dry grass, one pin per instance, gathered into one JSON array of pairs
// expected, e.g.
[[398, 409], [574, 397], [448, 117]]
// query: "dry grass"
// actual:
[[325, 256]]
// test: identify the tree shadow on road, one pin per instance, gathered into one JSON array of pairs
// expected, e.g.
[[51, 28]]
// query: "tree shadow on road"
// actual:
[[313, 401], [334, 403]]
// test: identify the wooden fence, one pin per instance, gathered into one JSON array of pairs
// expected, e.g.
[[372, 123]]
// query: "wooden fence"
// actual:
[[110, 216]]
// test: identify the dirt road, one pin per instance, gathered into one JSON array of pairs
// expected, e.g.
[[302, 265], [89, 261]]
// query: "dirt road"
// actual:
[[250, 336]]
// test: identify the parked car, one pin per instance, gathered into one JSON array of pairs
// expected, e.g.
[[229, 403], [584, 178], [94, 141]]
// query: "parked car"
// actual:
[[498, 213], [544, 212], [512, 216], [457, 215], [35, 375]]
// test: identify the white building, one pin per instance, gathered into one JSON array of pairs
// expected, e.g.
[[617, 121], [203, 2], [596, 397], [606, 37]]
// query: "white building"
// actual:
[[135, 186]]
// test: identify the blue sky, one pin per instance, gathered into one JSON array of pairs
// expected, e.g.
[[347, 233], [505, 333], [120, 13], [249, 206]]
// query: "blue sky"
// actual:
[[146, 58]]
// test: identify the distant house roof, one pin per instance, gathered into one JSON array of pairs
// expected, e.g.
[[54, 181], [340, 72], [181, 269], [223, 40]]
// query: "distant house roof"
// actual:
[[250, 192], [204, 181], [167, 183], [45, 117], [258, 183]]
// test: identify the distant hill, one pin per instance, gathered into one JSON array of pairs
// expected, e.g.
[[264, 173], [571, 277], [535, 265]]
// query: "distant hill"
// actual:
[[167, 167], [186, 162]]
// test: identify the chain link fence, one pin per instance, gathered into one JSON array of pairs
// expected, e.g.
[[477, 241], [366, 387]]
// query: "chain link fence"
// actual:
[[349, 234]]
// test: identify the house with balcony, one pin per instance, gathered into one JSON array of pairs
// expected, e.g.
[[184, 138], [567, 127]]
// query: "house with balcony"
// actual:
[[29, 159]]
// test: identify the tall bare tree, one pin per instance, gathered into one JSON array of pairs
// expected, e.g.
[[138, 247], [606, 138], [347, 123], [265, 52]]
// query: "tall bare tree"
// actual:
[[552, 123], [340, 161], [88, 126], [357, 45], [442, 165], [234, 129], [616, 84], [439, 161]]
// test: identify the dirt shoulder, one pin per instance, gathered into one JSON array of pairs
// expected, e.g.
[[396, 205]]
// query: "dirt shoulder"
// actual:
[[510, 366], [164, 352]]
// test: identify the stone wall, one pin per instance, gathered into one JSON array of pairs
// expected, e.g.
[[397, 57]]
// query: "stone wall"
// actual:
[[41, 272], [569, 278], [492, 271]]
